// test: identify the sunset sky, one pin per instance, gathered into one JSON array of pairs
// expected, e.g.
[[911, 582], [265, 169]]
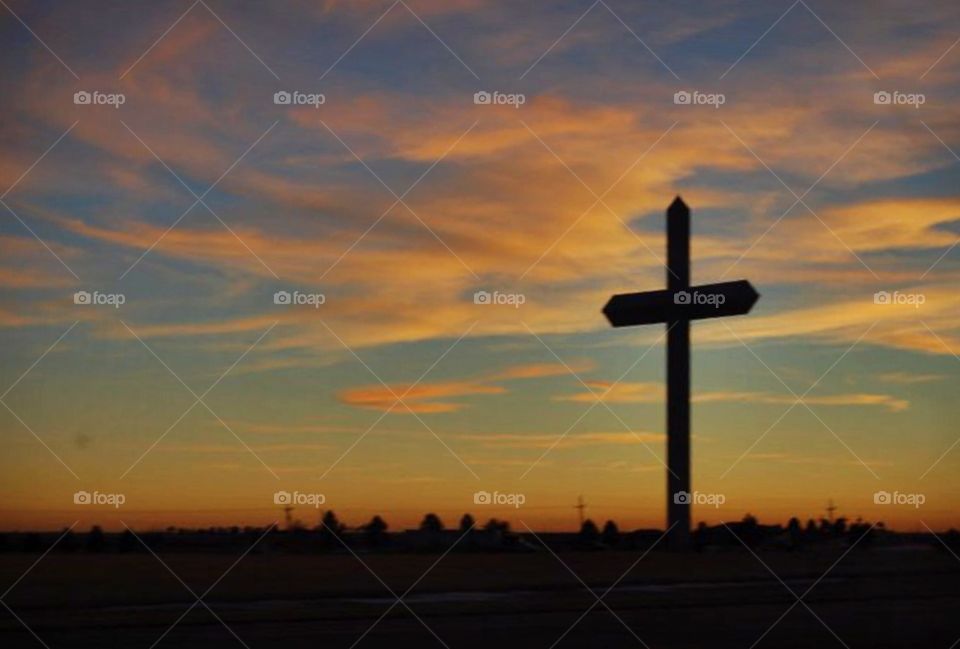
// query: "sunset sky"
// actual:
[[399, 197]]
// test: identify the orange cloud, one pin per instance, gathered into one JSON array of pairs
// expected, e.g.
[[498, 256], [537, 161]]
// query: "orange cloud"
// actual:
[[571, 440], [648, 392], [909, 378], [891, 403], [540, 370], [421, 398], [622, 392]]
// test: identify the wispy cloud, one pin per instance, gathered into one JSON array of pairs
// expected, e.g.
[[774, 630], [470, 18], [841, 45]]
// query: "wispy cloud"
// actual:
[[909, 378], [573, 440], [644, 392], [432, 397], [421, 398]]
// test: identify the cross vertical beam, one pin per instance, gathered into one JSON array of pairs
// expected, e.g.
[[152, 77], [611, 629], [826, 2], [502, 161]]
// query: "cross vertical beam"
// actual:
[[678, 380], [676, 306]]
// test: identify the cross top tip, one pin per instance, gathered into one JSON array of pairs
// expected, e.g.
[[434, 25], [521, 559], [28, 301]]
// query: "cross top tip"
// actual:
[[678, 206]]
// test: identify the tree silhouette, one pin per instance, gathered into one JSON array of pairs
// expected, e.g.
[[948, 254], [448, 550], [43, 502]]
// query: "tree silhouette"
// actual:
[[701, 536], [611, 533], [493, 525], [96, 541], [589, 534], [376, 531], [750, 530], [794, 532], [330, 528], [839, 526], [431, 523], [331, 522], [467, 523], [128, 542], [862, 533]]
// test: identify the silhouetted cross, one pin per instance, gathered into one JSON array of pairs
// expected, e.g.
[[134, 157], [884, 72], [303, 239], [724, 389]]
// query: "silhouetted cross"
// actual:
[[677, 306], [580, 506]]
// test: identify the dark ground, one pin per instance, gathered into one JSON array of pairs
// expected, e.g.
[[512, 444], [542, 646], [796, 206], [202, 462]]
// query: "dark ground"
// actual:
[[871, 599]]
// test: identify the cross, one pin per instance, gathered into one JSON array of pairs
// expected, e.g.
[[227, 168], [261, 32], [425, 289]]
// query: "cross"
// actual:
[[677, 306]]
